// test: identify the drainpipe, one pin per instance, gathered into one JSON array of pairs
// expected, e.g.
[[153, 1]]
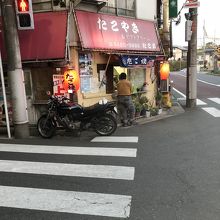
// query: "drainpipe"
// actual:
[[166, 35]]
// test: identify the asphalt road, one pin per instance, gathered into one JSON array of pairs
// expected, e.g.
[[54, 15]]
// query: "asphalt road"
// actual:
[[163, 170], [207, 85]]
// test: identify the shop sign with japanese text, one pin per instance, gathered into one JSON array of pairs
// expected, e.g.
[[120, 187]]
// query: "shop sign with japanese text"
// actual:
[[107, 32], [134, 60]]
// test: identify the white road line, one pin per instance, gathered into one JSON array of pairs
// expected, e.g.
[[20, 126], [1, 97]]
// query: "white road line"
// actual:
[[183, 95], [216, 100], [180, 74], [212, 111], [212, 84], [79, 170], [90, 151], [66, 201], [198, 101], [130, 139]]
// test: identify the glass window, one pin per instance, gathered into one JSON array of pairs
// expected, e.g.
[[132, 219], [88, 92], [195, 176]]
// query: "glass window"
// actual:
[[111, 3], [120, 7], [137, 76], [130, 4], [126, 7], [126, 4], [121, 4]]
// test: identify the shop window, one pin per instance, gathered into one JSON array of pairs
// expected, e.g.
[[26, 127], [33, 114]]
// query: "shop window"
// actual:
[[49, 5], [137, 76], [125, 7], [120, 7]]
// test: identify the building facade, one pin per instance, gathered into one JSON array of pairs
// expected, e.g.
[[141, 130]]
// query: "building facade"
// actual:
[[96, 39]]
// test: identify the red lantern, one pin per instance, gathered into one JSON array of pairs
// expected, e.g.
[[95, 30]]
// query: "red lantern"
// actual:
[[164, 71], [71, 81]]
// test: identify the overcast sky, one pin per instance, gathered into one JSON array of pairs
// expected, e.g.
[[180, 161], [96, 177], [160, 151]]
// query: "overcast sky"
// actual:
[[209, 11]]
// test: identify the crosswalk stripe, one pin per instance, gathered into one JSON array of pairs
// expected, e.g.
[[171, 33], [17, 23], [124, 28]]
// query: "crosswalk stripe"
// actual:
[[98, 204], [79, 170], [212, 111], [198, 101], [130, 139], [183, 98], [216, 100], [90, 151]]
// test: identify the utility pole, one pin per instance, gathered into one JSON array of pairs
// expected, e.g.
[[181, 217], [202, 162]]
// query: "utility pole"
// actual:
[[15, 72], [191, 81]]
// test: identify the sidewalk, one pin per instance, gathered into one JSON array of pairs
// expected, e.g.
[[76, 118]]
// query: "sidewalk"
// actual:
[[166, 113], [174, 110]]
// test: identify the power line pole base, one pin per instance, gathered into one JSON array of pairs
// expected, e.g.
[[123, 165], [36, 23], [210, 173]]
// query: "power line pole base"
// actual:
[[21, 131], [190, 103]]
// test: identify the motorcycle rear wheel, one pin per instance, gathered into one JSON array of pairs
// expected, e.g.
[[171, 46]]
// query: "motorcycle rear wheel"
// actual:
[[106, 125], [46, 127]]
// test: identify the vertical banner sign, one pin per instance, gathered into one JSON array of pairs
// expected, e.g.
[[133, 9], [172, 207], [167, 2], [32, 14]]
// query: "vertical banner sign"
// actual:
[[58, 89], [173, 8]]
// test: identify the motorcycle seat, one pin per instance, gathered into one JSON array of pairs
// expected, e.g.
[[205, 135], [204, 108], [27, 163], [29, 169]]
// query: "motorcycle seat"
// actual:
[[93, 108]]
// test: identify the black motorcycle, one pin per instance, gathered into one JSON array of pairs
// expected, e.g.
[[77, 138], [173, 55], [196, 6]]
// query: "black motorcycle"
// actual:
[[101, 117]]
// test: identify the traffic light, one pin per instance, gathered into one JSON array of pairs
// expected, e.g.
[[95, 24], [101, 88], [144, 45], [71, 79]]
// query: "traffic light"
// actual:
[[188, 30], [24, 14]]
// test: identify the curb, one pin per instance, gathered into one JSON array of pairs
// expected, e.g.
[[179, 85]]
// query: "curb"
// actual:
[[176, 109]]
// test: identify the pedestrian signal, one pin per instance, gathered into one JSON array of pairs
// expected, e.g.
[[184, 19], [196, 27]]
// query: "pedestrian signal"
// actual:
[[24, 14]]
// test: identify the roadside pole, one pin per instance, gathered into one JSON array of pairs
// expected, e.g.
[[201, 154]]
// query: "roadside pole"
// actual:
[[191, 81], [15, 72], [4, 98]]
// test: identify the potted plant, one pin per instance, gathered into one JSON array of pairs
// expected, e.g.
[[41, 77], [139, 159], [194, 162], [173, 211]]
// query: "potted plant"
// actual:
[[138, 108], [145, 106], [154, 111]]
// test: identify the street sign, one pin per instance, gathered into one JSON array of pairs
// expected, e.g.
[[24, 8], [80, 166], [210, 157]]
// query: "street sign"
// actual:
[[191, 4], [173, 8]]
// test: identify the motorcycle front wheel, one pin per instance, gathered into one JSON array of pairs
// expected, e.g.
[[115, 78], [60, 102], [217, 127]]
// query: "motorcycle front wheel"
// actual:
[[105, 125], [46, 127]]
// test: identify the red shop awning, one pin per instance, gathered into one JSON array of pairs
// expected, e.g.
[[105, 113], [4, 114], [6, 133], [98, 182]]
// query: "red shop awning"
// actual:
[[46, 42], [107, 32]]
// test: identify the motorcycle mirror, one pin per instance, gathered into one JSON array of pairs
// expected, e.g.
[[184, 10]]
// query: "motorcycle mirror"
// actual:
[[48, 93]]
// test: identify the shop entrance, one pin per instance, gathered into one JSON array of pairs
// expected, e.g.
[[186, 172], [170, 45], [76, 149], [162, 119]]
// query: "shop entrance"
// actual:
[[106, 79]]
